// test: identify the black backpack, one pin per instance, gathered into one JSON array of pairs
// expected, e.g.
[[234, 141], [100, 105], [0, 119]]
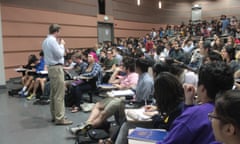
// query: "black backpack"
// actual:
[[92, 136]]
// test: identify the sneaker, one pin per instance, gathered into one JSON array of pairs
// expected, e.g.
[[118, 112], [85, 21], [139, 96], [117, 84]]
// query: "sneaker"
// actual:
[[25, 93], [30, 97], [80, 128], [21, 92]]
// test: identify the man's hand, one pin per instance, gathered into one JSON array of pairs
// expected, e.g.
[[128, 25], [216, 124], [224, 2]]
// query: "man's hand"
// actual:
[[62, 41]]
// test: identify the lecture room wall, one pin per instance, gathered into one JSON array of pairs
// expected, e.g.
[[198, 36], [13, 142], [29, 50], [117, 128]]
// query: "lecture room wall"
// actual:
[[25, 22]]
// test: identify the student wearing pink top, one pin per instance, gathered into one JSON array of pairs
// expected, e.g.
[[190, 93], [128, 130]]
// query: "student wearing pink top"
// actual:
[[129, 80]]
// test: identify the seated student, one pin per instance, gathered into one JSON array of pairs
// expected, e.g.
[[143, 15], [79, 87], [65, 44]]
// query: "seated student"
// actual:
[[140, 54], [144, 89], [202, 51], [110, 106], [68, 62], [78, 68], [38, 79], [177, 52], [109, 66], [225, 118], [102, 56], [93, 72], [169, 95], [117, 55], [31, 60], [192, 126], [39, 65], [127, 81]]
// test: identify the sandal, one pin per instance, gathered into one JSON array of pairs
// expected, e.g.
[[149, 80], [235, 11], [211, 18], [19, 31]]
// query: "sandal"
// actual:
[[75, 109], [72, 107]]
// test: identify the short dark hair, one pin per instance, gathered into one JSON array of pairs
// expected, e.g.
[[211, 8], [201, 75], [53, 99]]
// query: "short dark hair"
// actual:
[[54, 28], [207, 45], [230, 51], [32, 59], [139, 53], [68, 56], [227, 107], [160, 67], [41, 53], [129, 64], [215, 77], [168, 92], [214, 56], [143, 64]]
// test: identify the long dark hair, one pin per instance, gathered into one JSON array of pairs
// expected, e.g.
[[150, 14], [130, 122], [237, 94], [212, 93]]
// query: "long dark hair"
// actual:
[[168, 92]]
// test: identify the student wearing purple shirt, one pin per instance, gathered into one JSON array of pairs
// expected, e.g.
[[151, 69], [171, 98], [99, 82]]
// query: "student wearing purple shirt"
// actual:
[[193, 126]]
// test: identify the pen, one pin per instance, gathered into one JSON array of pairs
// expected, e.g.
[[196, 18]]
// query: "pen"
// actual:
[[145, 100]]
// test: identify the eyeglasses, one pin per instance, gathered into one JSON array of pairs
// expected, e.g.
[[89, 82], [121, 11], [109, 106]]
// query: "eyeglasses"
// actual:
[[212, 116]]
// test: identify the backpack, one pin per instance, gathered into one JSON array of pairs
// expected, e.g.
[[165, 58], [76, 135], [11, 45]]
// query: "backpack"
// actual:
[[92, 136]]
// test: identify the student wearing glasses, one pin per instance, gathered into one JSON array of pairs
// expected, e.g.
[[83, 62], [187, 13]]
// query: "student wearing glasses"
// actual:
[[225, 118]]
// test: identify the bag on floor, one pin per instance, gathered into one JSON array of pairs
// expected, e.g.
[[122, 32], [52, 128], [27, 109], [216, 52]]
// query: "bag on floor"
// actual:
[[92, 137]]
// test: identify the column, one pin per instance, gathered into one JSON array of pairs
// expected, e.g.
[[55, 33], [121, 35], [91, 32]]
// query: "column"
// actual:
[[2, 71]]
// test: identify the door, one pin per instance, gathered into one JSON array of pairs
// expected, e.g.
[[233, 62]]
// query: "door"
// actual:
[[105, 32]]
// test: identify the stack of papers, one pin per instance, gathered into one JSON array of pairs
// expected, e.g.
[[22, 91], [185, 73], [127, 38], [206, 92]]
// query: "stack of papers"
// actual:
[[43, 72], [20, 69], [137, 115], [106, 86], [116, 93]]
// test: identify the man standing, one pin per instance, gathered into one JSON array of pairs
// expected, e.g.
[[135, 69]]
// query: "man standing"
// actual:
[[54, 58]]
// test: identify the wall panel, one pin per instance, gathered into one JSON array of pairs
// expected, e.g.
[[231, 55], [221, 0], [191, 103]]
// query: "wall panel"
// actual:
[[120, 24], [217, 7], [14, 14], [134, 29], [21, 44], [83, 7]]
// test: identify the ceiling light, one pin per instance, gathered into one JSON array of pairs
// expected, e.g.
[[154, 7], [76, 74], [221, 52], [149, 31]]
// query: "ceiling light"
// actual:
[[138, 2], [159, 4]]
